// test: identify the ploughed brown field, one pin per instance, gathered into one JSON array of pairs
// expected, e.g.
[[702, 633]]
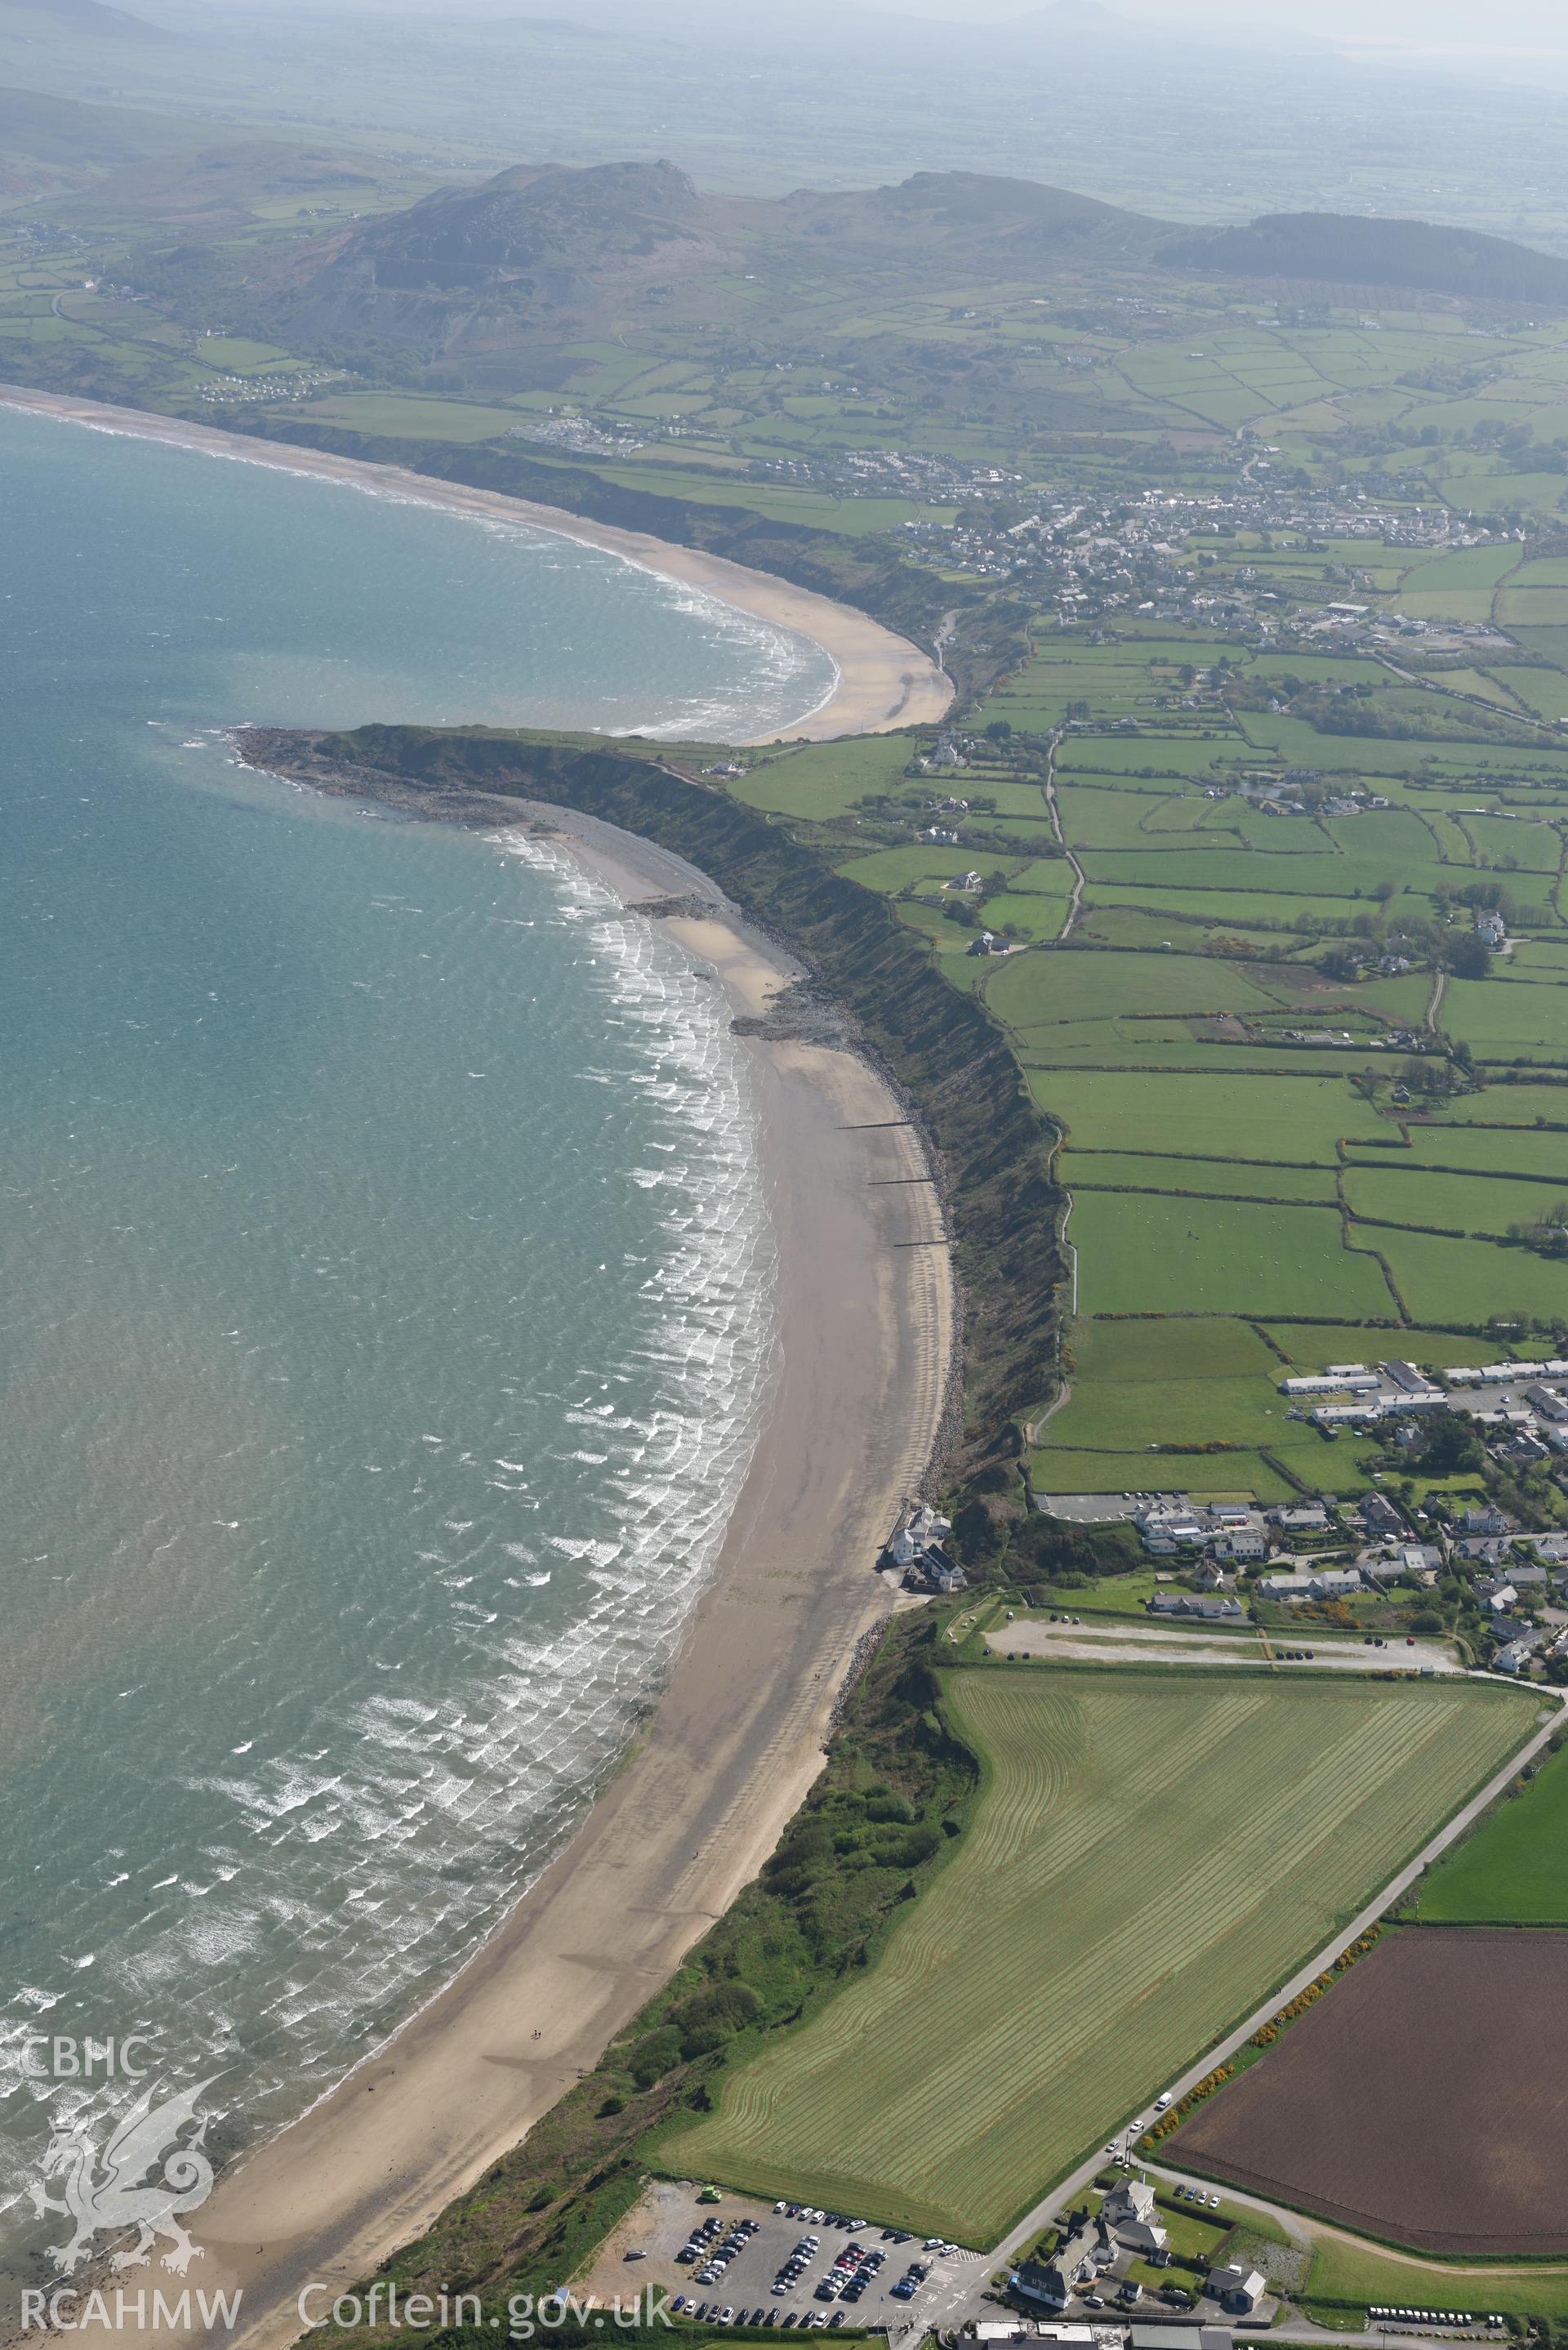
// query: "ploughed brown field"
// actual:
[[1419, 2100]]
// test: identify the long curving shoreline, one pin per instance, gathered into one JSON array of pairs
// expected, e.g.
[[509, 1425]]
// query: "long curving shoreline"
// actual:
[[883, 680], [865, 1343]]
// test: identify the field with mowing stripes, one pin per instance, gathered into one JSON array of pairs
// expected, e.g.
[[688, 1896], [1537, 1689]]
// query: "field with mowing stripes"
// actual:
[[1150, 1855]]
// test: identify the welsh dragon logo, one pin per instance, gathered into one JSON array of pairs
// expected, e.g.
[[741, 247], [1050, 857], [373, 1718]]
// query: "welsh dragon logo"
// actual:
[[144, 2178]]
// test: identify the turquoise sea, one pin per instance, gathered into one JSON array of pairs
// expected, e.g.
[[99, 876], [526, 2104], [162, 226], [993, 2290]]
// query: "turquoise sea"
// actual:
[[386, 1277]]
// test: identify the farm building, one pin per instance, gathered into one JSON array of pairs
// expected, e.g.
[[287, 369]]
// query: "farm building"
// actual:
[[1236, 2288]]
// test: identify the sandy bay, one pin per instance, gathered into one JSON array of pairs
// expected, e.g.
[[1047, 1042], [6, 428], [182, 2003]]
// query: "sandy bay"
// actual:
[[863, 1350], [882, 681]]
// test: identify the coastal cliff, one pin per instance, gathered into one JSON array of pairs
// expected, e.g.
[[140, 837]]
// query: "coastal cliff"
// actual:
[[943, 1050]]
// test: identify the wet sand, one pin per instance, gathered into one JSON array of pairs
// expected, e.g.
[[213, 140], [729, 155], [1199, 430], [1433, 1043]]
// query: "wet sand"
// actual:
[[864, 1347]]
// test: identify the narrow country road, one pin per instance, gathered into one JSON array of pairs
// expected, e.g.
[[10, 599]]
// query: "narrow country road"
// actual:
[[1062, 843], [1436, 1005]]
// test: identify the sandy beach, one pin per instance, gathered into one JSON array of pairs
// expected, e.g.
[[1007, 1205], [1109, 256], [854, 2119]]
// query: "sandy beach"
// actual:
[[883, 680], [864, 1337]]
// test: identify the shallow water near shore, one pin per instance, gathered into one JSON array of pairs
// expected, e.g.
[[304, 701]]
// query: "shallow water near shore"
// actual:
[[387, 1273]]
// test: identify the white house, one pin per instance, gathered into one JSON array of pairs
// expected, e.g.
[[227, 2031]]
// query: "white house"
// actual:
[[1132, 2215], [921, 1531]]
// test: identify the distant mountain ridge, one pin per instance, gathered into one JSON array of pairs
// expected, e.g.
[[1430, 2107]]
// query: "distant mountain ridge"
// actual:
[[92, 16], [1351, 249], [565, 223], [541, 253]]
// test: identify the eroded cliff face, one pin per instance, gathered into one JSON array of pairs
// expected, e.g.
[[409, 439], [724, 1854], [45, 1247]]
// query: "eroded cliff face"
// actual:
[[942, 1049]]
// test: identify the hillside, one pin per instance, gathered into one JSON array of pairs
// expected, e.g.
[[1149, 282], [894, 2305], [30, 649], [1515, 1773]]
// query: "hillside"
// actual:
[[93, 18], [537, 255], [52, 143], [1344, 249], [503, 261]]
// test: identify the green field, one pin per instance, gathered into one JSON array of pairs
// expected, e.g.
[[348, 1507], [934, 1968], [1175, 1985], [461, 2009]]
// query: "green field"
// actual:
[[1485, 1148], [1513, 1871], [1515, 1105], [1228, 1178], [1138, 1384], [1225, 1476], [1032, 991], [826, 779], [1468, 1203], [1293, 1118], [1469, 1281], [1499, 1022], [1348, 2277], [1150, 1855], [1212, 1256], [891, 869]]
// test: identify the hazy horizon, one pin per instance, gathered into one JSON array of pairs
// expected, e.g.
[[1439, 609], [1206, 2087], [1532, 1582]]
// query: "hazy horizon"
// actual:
[[1512, 28]]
